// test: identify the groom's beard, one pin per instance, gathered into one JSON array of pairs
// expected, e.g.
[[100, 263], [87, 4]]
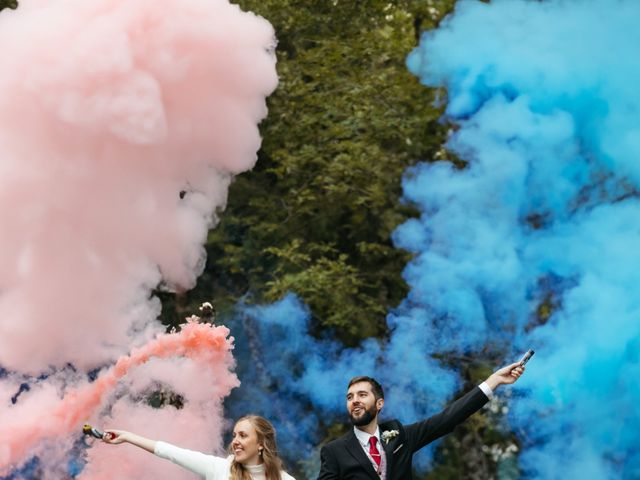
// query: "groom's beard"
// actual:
[[365, 419]]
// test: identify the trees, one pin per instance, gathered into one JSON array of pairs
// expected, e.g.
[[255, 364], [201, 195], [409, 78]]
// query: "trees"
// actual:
[[315, 216], [8, 4]]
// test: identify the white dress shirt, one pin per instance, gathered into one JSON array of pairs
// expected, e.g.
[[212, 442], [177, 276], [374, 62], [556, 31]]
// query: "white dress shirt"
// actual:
[[486, 389], [363, 439]]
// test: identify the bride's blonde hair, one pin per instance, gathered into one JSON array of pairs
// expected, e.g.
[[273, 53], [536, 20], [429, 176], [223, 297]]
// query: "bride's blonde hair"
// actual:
[[269, 453]]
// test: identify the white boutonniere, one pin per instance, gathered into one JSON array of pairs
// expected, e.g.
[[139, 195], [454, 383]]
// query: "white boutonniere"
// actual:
[[388, 435]]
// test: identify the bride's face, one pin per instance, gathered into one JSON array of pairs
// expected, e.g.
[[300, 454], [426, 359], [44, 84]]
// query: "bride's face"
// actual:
[[245, 446]]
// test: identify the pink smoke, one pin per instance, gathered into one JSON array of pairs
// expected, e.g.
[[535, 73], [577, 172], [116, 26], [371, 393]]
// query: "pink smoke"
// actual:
[[108, 110], [207, 350], [122, 123]]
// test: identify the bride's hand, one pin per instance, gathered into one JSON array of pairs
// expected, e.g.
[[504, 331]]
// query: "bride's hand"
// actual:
[[115, 437]]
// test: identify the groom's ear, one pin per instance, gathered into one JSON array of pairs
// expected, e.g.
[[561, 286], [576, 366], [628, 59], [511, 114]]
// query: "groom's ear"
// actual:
[[380, 404]]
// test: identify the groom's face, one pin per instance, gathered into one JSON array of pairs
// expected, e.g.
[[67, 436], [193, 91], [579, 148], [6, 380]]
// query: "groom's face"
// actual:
[[362, 405]]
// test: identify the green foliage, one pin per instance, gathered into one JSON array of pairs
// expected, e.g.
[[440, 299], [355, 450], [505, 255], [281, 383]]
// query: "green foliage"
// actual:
[[316, 215], [8, 4]]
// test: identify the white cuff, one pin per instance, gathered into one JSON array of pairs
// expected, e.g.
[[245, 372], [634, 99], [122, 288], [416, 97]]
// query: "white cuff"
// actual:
[[161, 449], [486, 389]]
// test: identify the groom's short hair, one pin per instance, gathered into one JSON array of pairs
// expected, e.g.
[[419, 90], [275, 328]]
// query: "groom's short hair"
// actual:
[[376, 388]]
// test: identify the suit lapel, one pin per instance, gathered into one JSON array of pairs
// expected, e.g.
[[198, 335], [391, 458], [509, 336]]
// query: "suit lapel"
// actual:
[[388, 450], [355, 449], [394, 444]]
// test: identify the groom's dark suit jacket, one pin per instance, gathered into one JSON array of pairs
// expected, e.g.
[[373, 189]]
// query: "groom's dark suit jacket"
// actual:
[[344, 458]]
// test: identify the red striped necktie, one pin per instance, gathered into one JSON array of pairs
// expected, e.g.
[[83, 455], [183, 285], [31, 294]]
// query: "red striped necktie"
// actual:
[[373, 450]]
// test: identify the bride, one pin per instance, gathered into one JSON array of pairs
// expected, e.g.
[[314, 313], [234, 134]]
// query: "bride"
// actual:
[[253, 452]]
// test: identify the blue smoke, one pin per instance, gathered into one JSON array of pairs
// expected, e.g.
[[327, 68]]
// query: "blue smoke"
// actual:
[[545, 212], [299, 382], [283, 356], [28, 471]]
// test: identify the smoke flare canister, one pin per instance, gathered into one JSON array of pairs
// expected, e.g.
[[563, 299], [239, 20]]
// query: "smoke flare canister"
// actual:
[[94, 432], [526, 357]]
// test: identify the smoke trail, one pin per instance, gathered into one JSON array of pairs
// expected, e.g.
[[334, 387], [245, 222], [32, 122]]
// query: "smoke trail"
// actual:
[[121, 125], [198, 371], [544, 216], [209, 348], [205, 375]]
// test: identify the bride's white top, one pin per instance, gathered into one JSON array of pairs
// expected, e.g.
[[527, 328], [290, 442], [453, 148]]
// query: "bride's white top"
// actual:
[[207, 466]]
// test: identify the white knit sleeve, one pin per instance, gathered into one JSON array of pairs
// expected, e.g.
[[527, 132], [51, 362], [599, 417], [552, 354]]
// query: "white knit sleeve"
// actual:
[[197, 462]]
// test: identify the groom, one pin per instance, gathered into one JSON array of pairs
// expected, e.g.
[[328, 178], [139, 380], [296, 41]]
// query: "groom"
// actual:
[[385, 451]]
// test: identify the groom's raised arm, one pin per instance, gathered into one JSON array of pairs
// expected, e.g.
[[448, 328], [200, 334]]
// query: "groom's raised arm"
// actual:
[[422, 433]]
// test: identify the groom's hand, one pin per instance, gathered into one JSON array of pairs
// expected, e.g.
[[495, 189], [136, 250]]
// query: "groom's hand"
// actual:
[[505, 376]]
